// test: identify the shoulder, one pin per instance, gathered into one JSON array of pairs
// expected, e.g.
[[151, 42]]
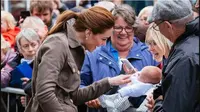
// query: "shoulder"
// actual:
[[57, 39]]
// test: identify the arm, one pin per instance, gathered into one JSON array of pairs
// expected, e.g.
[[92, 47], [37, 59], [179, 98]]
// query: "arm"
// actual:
[[91, 92], [5, 75], [181, 87], [134, 90], [98, 88], [51, 62]]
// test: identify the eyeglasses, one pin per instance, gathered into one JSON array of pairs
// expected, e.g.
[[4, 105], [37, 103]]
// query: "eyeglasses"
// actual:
[[155, 26], [119, 29]]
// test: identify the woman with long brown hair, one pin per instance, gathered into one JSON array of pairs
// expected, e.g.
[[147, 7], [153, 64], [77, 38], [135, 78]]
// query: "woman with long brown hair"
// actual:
[[56, 76]]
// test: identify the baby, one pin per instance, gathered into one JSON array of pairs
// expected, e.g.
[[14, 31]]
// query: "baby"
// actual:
[[141, 82]]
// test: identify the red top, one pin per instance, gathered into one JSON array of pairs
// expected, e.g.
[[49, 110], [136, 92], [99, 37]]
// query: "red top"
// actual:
[[11, 35]]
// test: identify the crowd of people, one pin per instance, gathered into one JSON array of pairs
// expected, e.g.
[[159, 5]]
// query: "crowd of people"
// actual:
[[70, 59]]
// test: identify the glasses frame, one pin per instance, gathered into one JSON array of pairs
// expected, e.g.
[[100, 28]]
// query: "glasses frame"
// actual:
[[123, 28], [155, 26]]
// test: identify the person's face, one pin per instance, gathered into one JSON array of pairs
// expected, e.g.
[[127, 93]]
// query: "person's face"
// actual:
[[166, 29], [100, 39], [123, 33], [45, 16], [155, 50], [91, 41], [143, 19], [28, 48], [4, 26]]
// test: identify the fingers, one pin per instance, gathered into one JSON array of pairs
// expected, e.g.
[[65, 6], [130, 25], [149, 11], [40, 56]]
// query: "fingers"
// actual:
[[25, 79], [93, 103], [126, 79]]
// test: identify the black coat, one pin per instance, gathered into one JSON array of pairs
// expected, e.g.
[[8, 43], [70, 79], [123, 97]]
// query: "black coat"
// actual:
[[181, 75]]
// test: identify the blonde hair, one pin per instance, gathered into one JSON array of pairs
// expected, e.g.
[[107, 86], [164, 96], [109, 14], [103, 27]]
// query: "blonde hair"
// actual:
[[27, 33], [161, 41], [144, 10], [5, 46], [9, 19]]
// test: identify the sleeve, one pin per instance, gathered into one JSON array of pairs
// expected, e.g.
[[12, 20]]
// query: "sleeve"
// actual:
[[91, 92], [134, 90], [50, 65], [181, 86], [86, 73], [5, 75]]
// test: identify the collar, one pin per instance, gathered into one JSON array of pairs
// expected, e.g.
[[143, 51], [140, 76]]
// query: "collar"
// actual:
[[71, 35]]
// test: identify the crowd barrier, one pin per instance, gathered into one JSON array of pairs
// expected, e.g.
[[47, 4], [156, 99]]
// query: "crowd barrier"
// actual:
[[8, 91]]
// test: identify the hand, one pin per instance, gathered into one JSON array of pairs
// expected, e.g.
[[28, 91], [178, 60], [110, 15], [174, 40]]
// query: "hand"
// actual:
[[150, 103], [93, 103], [21, 20], [25, 80], [129, 71], [119, 80]]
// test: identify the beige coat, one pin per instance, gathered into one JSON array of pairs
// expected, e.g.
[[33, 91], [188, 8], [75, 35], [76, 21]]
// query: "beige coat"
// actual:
[[56, 76]]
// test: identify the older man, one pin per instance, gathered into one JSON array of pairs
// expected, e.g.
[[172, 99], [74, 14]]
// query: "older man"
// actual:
[[181, 81]]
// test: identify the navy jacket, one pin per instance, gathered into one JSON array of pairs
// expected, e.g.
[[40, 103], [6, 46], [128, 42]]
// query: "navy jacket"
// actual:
[[181, 75]]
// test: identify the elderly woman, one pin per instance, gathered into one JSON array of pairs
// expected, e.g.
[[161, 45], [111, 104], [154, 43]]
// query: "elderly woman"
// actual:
[[105, 60]]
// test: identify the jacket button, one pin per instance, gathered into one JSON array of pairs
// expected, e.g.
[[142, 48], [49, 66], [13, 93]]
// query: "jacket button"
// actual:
[[110, 63], [137, 54], [100, 58], [73, 70]]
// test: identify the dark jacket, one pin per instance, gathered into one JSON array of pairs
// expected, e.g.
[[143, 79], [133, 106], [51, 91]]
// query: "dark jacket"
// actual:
[[56, 76], [181, 75]]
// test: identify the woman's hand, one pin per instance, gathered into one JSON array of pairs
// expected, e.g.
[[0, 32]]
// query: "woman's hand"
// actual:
[[93, 103], [129, 71], [119, 80]]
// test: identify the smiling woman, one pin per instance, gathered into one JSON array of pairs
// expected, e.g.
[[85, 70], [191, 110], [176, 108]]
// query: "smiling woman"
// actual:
[[158, 44]]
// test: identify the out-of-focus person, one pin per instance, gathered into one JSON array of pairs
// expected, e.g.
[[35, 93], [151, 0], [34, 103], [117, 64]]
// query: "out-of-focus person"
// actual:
[[43, 10], [7, 55], [37, 24], [142, 23], [8, 28]]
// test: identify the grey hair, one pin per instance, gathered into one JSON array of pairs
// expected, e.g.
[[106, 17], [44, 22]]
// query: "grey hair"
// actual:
[[33, 22], [126, 12], [27, 33]]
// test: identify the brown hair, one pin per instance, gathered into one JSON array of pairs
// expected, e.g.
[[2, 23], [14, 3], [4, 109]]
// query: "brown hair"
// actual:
[[96, 18], [41, 5]]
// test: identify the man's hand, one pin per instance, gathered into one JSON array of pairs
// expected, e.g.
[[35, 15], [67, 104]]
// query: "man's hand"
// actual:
[[93, 103], [119, 80], [150, 103]]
